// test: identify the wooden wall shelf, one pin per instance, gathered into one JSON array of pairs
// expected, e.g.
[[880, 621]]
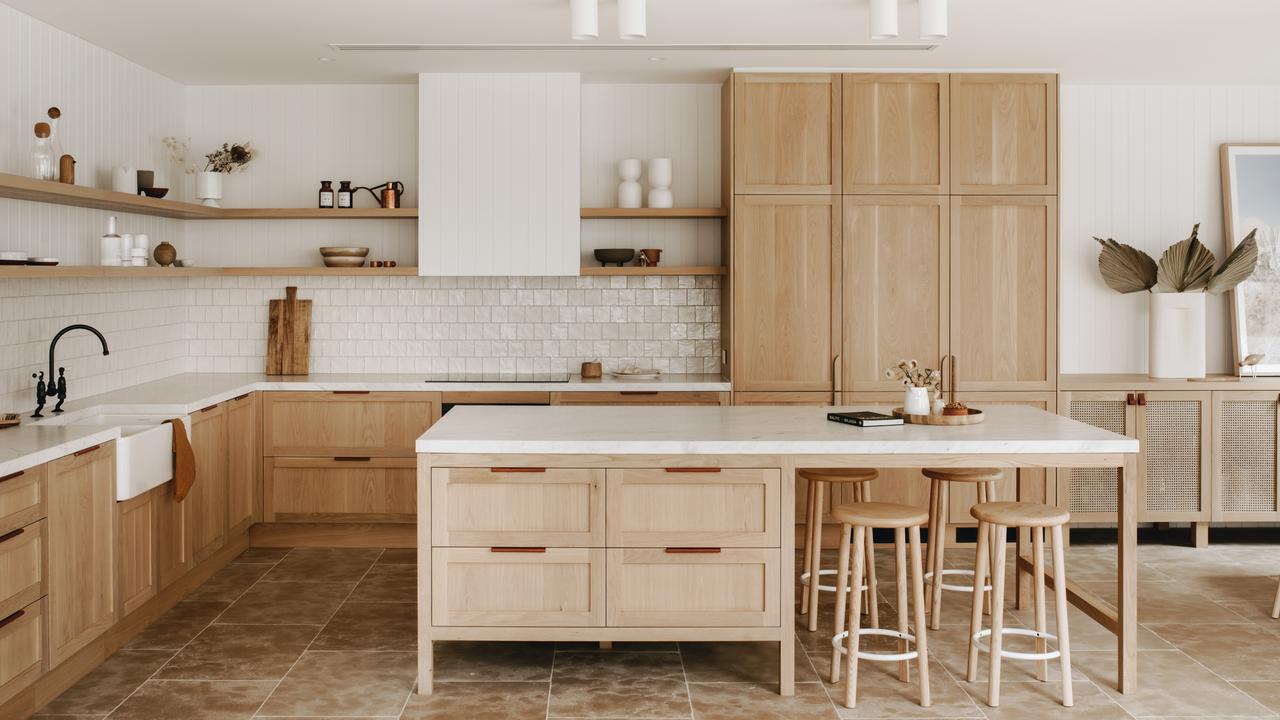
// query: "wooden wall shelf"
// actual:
[[652, 213], [659, 270]]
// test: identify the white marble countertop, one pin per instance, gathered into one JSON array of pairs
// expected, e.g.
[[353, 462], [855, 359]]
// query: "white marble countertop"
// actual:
[[33, 443], [751, 431]]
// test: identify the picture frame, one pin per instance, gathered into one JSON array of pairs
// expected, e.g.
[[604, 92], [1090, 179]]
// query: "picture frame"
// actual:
[[1251, 199]]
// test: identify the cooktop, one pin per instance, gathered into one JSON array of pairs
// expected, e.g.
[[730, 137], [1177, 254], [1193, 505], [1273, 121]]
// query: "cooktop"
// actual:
[[500, 377]]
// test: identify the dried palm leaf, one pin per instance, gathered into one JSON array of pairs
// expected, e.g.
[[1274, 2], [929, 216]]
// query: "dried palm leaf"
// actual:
[[1186, 266], [1238, 266], [1125, 269]]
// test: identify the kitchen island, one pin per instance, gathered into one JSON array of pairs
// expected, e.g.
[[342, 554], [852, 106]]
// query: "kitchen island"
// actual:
[[675, 524]]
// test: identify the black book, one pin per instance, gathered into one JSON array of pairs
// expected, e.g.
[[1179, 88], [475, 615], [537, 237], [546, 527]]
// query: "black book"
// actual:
[[864, 418]]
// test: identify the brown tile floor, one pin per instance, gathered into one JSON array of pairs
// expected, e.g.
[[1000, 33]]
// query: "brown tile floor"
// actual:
[[330, 633]]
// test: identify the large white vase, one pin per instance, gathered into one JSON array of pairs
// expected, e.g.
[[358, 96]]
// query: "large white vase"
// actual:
[[1176, 340], [630, 194], [209, 188]]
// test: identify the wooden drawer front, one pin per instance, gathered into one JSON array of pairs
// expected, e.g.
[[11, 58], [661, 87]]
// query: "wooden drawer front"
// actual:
[[22, 575], [553, 507], [21, 498], [735, 587], [331, 424], [693, 508], [22, 648], [636, 397], [518, 587], [338, 490]]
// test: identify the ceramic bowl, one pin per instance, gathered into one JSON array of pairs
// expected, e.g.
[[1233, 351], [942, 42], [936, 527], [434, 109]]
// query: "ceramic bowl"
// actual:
[[344, 262], [607, 256], [156, 193], [347, 252]]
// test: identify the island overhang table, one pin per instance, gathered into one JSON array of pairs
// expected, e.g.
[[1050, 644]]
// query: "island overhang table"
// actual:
[[652, 524]]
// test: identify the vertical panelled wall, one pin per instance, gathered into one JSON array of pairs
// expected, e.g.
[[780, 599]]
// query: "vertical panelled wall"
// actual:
[[1140, 164]]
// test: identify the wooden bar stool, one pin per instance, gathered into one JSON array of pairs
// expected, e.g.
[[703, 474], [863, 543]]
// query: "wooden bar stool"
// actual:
[[993, 519], [818, 479], [939, 502], [859, 519]]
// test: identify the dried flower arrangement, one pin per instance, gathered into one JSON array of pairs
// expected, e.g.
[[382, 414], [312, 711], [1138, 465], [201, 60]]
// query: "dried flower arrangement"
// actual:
[[227, 159], [1187, 266], [910, 374]]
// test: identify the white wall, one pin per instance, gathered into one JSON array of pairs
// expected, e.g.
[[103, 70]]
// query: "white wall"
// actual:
[[1140, 164]]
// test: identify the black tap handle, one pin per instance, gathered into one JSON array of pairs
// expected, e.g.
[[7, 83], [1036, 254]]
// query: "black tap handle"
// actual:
[[61, 391], [40, 394]]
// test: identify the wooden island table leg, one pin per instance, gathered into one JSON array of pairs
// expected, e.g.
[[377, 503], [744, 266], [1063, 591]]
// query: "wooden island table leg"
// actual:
[[787, 643], [426, 661], [1127, 569]]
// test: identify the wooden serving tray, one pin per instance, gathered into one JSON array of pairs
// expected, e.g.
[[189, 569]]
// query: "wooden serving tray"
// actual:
[[974, 417]]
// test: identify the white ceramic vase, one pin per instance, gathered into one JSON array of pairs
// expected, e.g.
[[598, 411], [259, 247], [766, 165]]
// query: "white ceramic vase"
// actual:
[[660, 183], [630, 194], [915, 401], [1176, 343], [123, 180], [209, 188]]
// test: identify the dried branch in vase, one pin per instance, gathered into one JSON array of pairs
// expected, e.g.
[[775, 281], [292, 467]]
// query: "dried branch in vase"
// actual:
[[910, 374]]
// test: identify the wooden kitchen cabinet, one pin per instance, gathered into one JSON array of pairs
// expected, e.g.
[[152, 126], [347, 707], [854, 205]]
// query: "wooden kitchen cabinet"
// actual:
[[329, 424], [690, 587], [1090, 493], [693, 507], [82, 599], [349, 489], [23, 571], [1246, 487], [173, 548], [1003, 290], [22, 498], [787, 133], [136, 559], [787, 313], [205, 506], [23, 648], [242, 463], [519, 587], [895, 287], [1004, 134], [514, 507], [896, 133]]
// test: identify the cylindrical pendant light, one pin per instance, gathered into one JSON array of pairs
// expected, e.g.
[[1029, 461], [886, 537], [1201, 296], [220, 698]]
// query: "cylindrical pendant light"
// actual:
[[585, 19], [933, 19], [631, 19], [884, 19]]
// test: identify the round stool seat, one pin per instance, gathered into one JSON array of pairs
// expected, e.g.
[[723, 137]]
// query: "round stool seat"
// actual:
[[1020, 514], [839, 475], [880, 515], [973, 475]]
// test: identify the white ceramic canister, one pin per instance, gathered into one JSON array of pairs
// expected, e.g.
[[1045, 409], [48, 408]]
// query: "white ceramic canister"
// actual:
[[124, 180]]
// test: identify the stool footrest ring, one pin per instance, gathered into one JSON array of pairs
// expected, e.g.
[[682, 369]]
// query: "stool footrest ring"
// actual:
[[837, 642], [804, 582], [1014, 655], [928, 580]]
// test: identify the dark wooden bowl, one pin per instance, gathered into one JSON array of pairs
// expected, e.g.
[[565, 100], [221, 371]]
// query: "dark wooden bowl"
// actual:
[[615, 256]]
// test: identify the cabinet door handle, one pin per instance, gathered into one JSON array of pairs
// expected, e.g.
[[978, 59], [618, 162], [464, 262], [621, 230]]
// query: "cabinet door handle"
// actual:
[[692, 469], [350, 392], [241, 397], [85, 451], [207, 409], [517, 469], [12, 617], [638, 392], [1142, 399], [12, 535], [13, 476], [691, 551], [1130, 399], [517, 549], [352, 458]]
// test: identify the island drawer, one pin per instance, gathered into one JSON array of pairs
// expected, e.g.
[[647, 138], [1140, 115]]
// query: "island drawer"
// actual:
[[330, 424], [517, 586], [21, 498], [22, 648], [693, 507], [22, 571], [340, 489], [693, 587], [525, 506]]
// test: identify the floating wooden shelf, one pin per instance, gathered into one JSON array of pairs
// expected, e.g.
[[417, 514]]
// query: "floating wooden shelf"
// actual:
[[94, 271], [659, 270], [650, 213], [23, 188]]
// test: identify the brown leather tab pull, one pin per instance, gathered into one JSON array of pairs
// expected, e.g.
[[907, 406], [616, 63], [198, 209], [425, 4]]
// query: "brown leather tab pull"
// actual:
[[691, 551], [517, 549], [693, 469], [517, 469]]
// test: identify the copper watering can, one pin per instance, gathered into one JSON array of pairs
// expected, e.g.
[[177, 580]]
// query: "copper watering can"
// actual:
[[388, 195]]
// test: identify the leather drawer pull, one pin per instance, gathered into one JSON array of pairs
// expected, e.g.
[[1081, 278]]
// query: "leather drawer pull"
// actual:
[[639, 392], [517, 469], [85, 451], [207, 409], [13, 476], [517, 549], [241, 397], [350, 392], [12, 535], [691, 551], [352, 459], [12, 617], [693, 469]]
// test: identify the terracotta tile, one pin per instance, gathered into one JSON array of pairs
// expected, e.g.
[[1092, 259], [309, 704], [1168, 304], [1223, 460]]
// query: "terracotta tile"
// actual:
[[390, 583], [1234, 652], [493, 662], [1169, 683], [99, 692], [240, 652], [398, 556], [345, 683], [754, 662], [323, 565], [481, 701], [1044, 700], [207, 700], [266, 555], [749, 701], [176, 627], [229, 583], [371, 626], [618, 685], [288, 603]]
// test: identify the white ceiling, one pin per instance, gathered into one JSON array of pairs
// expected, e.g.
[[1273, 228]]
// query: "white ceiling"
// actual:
[[278, 41]]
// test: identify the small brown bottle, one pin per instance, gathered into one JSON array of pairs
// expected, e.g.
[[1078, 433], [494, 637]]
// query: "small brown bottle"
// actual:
[[326, 194], [344, 194]]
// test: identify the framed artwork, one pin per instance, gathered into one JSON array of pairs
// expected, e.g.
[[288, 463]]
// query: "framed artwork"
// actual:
[[1251, 199]]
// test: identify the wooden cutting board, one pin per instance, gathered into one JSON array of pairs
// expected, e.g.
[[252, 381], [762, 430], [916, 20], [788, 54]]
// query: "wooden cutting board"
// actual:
[[288, 335]]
